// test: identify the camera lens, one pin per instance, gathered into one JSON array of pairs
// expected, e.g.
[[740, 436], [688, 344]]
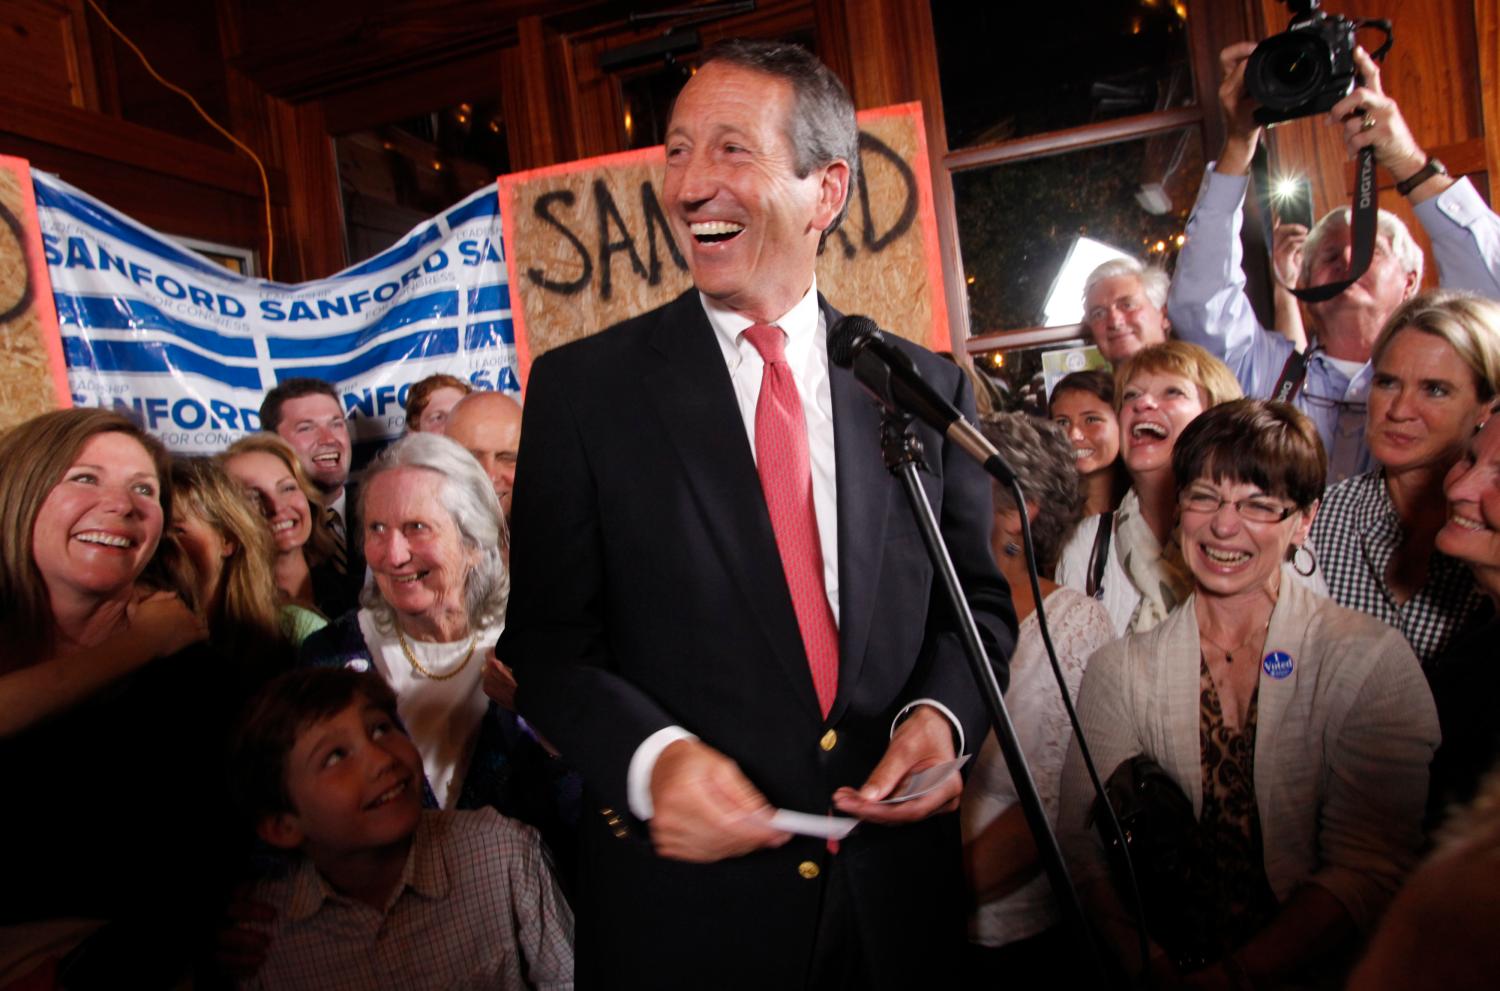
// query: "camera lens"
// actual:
[[1288, 70]]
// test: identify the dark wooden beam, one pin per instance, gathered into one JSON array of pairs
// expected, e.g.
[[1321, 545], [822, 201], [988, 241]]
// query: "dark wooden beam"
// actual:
[[341, 45], [132, 144]]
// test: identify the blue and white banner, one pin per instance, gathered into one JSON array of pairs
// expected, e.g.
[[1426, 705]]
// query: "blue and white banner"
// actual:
[[191, 348]]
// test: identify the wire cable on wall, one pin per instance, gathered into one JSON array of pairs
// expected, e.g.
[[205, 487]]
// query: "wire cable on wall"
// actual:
[[265, 183]]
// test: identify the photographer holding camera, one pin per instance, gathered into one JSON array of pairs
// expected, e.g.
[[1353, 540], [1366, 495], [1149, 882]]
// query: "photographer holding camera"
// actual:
[[1207, 302]]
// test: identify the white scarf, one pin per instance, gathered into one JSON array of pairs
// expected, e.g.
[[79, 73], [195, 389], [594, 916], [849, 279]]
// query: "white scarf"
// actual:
[[1155, 571]]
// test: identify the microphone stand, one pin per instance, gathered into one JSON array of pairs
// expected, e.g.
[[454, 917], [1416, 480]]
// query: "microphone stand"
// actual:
[[903, 455]]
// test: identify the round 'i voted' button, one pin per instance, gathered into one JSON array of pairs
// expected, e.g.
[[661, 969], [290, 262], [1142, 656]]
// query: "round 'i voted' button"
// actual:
[[1277, 664]]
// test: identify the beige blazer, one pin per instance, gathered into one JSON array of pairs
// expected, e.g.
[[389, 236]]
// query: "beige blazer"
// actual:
[[1342, 746]]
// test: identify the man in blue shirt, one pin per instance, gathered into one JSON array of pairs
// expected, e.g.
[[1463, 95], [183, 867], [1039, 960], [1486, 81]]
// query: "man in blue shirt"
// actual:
[[1207, 303]]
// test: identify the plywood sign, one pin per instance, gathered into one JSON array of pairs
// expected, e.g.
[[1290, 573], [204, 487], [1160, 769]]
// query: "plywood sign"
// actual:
[[587, 243], [33, 379]]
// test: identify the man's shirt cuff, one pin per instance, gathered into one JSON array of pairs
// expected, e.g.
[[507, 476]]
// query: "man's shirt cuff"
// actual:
[[958, 729], [643, 762], [1222, 193]]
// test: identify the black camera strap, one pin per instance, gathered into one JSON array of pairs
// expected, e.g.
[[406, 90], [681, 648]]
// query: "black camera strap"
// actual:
[[1363, 223]]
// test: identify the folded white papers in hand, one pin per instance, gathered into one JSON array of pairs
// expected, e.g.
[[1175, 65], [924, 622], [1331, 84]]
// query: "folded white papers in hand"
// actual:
[[803, 824], [918, 784]]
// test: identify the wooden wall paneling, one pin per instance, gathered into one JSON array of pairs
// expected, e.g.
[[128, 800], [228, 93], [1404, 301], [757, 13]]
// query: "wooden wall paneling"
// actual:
[[178, 185], [1432, 72], [248, 121], [101, 57], [48, 56], [526, 148], [892, 58], [247, 105], [83, 52], [562, 83], [597, 112], [830, 22], [383, 100], [167, 203], [537, 96], [309, 219], [1487, 41], [596, 94], [340, 45], [310, 240], [769, 19], [1463, 158], [132, 144], [1213, 26], [893, 54]]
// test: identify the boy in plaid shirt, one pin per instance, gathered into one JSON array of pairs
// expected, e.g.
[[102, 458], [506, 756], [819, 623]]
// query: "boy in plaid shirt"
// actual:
[[385, 894]]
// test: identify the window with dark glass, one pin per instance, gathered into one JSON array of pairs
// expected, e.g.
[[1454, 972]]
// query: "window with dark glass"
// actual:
[[1074, 132], [1016, 69], [398, 175], [1021, 222]]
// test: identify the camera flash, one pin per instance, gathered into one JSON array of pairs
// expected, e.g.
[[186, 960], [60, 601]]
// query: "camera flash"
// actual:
[[1285, 188]]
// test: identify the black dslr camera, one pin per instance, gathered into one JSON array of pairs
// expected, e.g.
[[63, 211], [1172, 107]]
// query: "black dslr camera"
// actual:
[[1309, 67]]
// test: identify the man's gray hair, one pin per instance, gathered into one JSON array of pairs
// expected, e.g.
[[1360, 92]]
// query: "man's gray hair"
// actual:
[[1408, 255], [822, 128], [467, 495], [1154, 279]]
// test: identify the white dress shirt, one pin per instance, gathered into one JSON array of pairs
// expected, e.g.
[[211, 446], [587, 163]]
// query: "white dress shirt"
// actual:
[[807, 355]]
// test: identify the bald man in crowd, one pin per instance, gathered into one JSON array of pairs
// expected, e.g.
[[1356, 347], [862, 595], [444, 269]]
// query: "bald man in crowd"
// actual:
[[488, 425]]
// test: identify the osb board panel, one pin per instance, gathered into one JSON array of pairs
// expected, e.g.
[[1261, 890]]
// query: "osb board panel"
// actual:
[[32, 376], [587, 244]]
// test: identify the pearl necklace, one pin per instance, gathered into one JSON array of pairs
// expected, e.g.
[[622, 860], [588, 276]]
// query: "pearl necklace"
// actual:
[[417, 665]]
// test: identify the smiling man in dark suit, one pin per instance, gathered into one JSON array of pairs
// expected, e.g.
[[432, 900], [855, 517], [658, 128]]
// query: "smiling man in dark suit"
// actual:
[[721, 602]]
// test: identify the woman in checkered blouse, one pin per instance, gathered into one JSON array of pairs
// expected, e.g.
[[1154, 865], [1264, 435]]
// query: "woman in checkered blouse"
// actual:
[[1436, 369]]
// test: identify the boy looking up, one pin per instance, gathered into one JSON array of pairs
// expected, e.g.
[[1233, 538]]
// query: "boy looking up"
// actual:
[[384, 894]]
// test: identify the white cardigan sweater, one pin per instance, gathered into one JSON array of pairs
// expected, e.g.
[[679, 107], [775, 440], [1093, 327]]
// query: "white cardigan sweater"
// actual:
[[1342, 745]]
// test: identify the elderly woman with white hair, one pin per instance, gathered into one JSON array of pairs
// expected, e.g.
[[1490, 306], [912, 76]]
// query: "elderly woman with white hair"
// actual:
[[435, 601]]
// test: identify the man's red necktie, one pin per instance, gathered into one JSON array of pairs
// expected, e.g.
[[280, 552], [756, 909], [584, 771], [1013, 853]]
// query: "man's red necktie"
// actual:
[[781, 457]]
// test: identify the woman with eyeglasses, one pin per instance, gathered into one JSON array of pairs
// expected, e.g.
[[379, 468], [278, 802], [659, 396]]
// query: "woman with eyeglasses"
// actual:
[[1436, 369], [1299, 731]]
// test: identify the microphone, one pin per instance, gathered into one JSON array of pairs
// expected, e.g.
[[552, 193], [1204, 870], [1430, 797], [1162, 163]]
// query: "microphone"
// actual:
[[888, 374]]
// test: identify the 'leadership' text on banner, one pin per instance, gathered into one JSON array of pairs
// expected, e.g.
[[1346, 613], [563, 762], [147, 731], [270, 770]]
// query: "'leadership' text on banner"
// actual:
[[191, 348]]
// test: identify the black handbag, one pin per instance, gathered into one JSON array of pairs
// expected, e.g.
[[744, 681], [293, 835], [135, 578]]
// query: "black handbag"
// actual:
[[1156, 817]]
